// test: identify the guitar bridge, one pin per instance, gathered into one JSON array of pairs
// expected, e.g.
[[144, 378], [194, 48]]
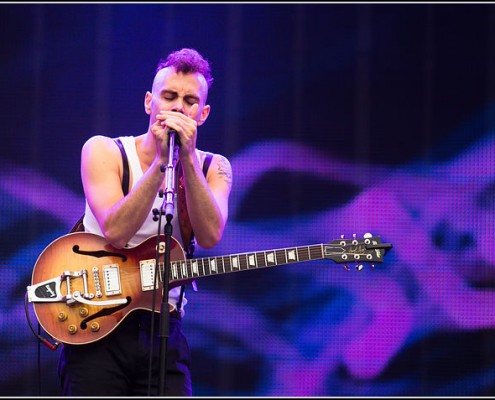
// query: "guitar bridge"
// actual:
[[49, 291], [46, 292]]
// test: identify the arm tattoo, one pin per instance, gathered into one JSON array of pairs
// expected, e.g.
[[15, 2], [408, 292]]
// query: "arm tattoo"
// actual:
[[224, 170]]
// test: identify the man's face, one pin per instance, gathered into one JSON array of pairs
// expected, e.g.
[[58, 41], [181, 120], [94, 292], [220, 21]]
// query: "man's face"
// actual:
[[174, 91]]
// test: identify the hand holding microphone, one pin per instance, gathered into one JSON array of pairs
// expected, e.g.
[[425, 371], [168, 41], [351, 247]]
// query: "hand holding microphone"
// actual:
[[172, 122]]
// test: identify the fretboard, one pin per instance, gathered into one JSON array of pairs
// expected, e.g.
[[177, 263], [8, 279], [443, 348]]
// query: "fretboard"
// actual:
[[199, 267]]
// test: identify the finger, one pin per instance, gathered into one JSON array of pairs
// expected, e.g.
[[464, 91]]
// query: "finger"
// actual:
[[157, 130], [193, 111]]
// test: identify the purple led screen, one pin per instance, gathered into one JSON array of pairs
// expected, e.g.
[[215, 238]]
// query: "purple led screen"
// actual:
[[338, 120]]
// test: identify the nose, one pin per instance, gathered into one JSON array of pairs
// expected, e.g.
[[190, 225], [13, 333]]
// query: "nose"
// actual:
[[178, 105]]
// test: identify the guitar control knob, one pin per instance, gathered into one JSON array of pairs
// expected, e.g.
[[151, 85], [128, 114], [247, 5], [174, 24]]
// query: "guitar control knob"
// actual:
[[72, 329], [83, 312], [94, 326], [62, 316]]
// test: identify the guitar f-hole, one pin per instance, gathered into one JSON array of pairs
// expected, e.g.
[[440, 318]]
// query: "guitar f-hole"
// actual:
[[97, 253], [104, 312]]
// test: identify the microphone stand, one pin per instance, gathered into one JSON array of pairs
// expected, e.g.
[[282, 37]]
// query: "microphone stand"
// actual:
[[169, 214]]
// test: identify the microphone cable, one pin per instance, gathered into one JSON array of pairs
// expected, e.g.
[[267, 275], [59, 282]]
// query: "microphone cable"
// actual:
[[41, 339]]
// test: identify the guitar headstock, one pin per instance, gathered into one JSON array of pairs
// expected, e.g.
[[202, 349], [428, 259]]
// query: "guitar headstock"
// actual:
[[369, 249]]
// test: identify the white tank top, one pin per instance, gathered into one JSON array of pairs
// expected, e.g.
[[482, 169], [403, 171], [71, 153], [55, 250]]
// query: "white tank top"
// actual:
[[149, 227]]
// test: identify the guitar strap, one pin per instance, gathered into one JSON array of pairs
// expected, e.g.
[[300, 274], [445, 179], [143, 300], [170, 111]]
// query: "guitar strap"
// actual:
[[79, 226], [186, 231], [185, 225]]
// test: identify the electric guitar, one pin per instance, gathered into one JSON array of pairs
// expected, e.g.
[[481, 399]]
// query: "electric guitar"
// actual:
[[82, 288]]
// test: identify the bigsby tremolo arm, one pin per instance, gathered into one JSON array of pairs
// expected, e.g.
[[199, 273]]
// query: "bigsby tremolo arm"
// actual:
[[50, 291]]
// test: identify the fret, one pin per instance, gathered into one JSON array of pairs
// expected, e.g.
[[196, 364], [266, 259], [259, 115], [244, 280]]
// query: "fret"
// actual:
[[247, 265], [219, 263], [160, 272], [183, 269], [206, 265], [223, 264], [292, 255], [213, 265], [302, 253], [280, 257], [243, 262], [175, 273], [234, 260], [194, 268], [286, 257], [187, 268], [226, 264], [239, 260], [316, 252], [252, 261], [260, 259], [271, 258], [174, 270]]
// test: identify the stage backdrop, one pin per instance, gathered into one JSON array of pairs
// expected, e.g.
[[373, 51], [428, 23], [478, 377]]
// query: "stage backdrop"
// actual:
[[339, 120]]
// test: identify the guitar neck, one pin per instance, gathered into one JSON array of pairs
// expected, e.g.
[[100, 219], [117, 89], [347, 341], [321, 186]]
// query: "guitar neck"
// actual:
[[200, 267]]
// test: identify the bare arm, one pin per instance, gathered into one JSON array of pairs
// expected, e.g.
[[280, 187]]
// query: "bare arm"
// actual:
[[119, 217], [207, 198]]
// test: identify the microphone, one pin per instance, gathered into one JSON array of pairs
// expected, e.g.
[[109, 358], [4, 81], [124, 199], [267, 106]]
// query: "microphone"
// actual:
[[173, 158], [173, 135], [173, 145]]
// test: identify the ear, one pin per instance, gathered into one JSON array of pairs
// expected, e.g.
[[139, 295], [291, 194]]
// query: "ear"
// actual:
[[204, 114], [147, 102]]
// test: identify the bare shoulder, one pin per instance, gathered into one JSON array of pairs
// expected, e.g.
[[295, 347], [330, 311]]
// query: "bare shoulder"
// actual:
[[99, 141], [222, 162], [100, 145]]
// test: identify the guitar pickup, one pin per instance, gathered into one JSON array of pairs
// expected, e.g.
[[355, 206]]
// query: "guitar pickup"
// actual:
[[147, 268], [111, 279]]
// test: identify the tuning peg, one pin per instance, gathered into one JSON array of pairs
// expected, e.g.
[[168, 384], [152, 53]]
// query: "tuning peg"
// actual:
[[367, 235], [359, 267], [346, 267], [372, 266]]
